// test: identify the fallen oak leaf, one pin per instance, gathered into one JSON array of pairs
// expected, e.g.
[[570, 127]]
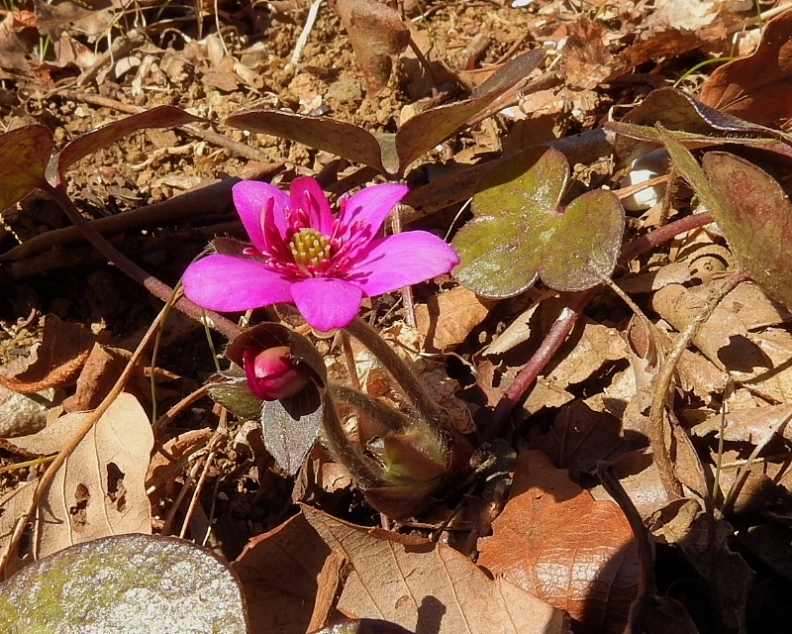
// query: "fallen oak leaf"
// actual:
[[556, 542], [425, 586]]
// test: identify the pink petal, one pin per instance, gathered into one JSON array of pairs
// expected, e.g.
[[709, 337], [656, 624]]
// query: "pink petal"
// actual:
[[401, 260], [251, 199], [369, 207], [226, 283], [308, 195], [327, 302]]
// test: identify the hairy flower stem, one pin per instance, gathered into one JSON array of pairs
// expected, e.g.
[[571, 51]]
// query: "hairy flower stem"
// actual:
[[563, 325], [152, 284], [347, 452], [405, 377]]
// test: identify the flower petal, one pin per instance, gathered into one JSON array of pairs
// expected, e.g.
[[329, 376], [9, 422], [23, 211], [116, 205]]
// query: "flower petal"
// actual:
[[226, 283], [401, 260], [368, 208], [251, 199], [327, 302], [308, 196]]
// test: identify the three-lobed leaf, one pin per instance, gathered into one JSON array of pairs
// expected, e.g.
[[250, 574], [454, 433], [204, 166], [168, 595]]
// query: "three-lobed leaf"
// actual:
[[520, 231]]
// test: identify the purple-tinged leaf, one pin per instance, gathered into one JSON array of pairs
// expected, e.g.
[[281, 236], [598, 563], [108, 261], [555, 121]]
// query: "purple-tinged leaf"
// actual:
[[82, 146], [701, 124], [755, 216], [520, 232], [387, 154], [427, 129], [24, 154], [342, 139], [289, 425], [751, 209], [125, 584]]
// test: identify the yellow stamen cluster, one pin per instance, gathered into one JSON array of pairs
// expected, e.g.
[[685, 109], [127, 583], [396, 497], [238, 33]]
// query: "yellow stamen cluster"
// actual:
[[309, 248]]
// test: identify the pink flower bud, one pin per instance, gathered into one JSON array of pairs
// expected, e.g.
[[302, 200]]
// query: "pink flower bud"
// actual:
[[272, 374]]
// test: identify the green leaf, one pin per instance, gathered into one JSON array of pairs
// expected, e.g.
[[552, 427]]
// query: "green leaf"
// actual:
[[24, 154], [127, 584], [755, 216], [520, 231]]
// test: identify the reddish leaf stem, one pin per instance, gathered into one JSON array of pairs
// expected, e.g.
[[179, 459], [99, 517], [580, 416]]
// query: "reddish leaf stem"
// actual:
[[562, 326], [152, 284], [527, 376]]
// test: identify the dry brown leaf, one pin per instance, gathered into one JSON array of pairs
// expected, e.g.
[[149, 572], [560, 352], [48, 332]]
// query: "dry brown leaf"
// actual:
[[640, 479], [757, 88], [554, 540], [48, 441], [586, 59], [377, 33], [101, 371], [580, 437], [582, 356], [756, 425], [448, 318], [428, 587], [54, 362], [279, 573], [100, 490]]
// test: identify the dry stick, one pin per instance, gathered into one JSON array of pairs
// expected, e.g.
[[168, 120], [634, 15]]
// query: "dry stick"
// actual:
[[222, 432], [646, 584], [567, 320], [151, 283], [399, 370], [179, 407], [662, 385], [74, 441]]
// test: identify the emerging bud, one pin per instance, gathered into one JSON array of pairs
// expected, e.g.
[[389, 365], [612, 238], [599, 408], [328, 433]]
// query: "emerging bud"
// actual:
[[272, 374]]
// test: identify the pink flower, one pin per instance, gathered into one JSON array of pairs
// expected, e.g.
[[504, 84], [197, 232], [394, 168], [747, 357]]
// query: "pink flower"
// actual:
[[272, 374], [323, 264]]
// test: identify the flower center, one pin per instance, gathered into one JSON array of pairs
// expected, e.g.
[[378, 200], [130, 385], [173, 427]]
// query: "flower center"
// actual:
[[310, 249]]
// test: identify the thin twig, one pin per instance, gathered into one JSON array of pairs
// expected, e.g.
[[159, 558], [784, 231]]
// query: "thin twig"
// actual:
[[151, 283], [406, 291], [664, 378]]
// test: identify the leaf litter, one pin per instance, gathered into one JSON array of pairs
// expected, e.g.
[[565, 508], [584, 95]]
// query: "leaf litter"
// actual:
[[522, 345]]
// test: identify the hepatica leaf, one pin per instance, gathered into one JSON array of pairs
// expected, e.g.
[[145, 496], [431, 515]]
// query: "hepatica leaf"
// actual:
[[125, 584], [755, 215], [520, 231]]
